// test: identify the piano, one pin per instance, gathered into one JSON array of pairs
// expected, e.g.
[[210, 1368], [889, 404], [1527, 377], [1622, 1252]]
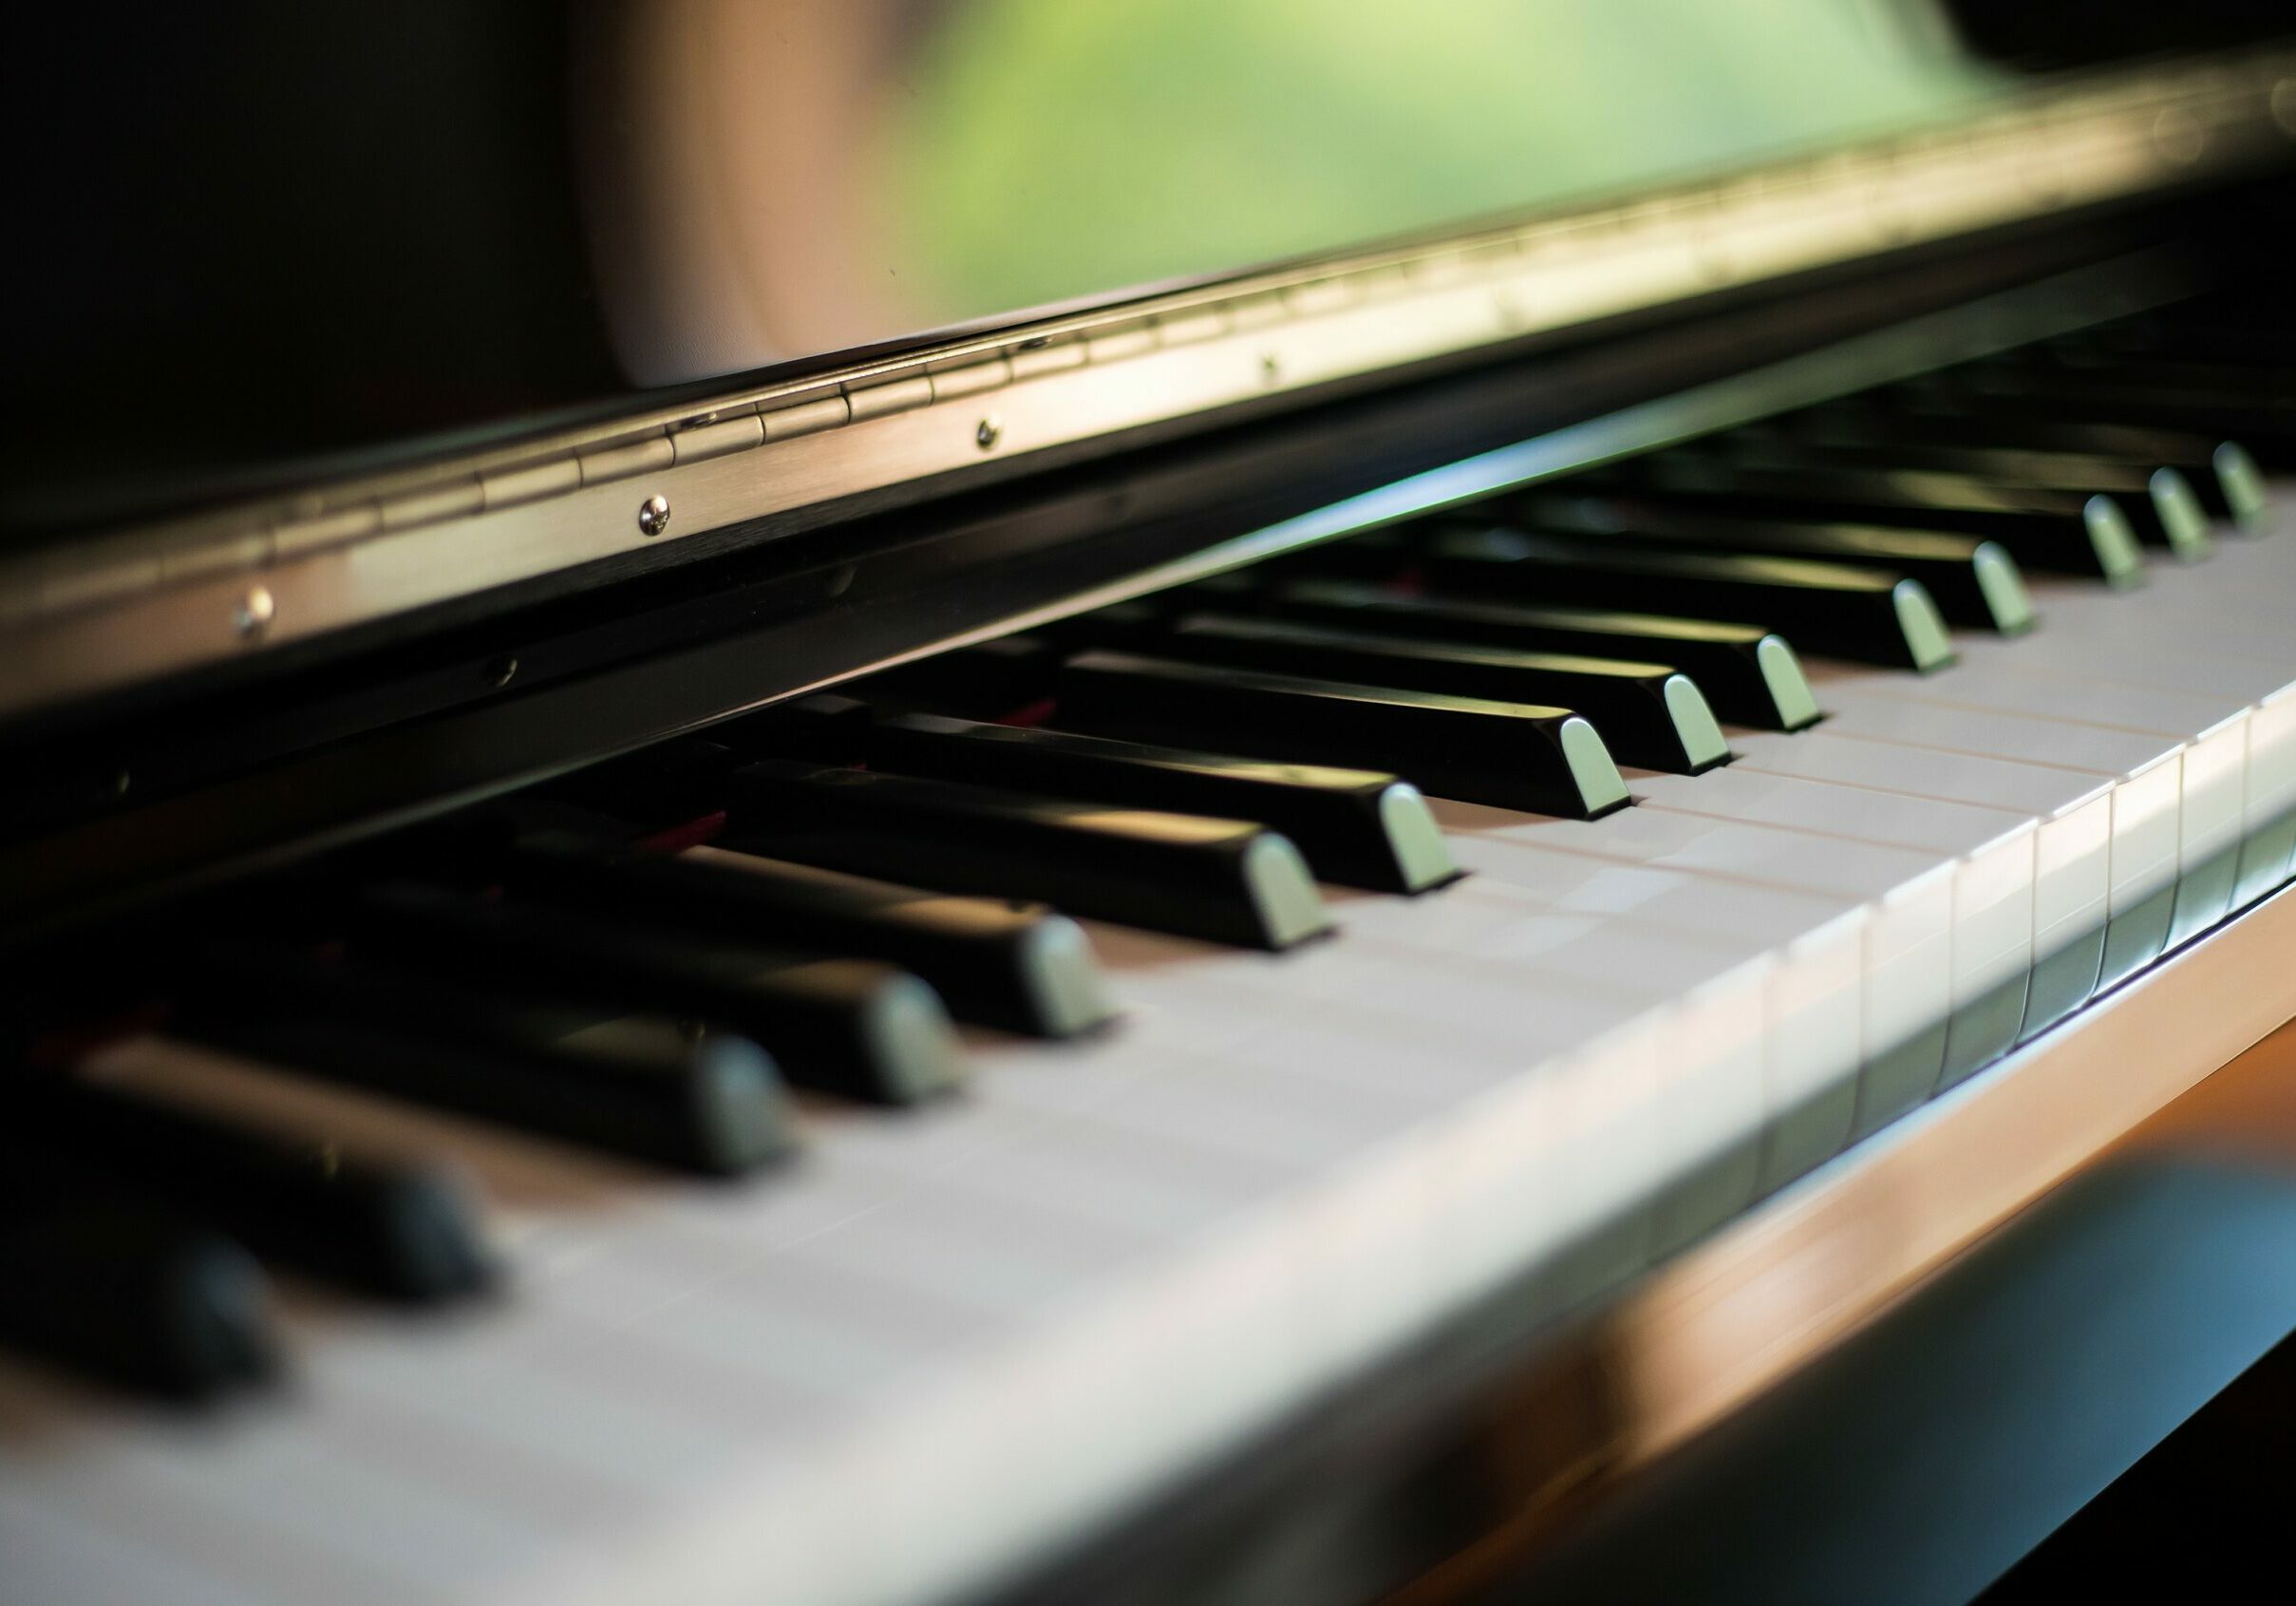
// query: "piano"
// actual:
[[892, 803]]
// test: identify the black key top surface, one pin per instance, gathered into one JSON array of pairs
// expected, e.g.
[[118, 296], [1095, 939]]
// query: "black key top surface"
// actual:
[[1509, 755], [1749, 674], [121, 1294], [1355, 826], [1020, 966], [2160, 503], [704, 1102], [2220, 472], [2060, 531], [851, 1027], [1224, 880], [1975, 582], [1849, 611], [405, 1231], [1647, 714]]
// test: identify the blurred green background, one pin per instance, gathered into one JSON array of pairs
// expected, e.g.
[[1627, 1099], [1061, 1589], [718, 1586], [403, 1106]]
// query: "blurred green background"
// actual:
[[1035, 150]]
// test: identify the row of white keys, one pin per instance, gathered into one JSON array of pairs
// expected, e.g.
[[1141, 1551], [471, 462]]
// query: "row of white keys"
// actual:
[[2221, 632], [1906, 898], [1994, 852], [2074, 835], [1538, 987], [2147, 774], [2105, 669], [1546, 919]]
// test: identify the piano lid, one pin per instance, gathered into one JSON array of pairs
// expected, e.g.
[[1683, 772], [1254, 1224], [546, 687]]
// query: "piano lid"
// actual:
[[280, 233]]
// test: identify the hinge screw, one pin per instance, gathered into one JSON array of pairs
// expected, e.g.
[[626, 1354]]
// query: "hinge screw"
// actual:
[[654, 515], [987, 432], [253, 611], [1271, 367]]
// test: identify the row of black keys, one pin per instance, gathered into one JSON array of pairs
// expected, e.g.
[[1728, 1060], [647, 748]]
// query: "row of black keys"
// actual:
[[1361, 654]]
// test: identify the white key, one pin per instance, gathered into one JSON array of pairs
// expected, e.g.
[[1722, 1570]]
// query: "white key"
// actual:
[[2147, 777], [2073, 842], [1992, 892], [2215, 757], [1908, 939], [1815, 1029], [2233, 679]]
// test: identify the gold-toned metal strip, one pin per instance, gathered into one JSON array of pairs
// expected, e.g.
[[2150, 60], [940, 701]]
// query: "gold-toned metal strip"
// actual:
[[121, 609]]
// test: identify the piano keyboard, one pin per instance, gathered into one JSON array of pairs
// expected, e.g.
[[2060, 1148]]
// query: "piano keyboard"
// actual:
[[849, 1157]]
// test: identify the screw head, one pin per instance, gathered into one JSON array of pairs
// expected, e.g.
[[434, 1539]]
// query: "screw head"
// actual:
[[654, 515], [253, 611], [987, 432], [1271, 367], [2178, 137]]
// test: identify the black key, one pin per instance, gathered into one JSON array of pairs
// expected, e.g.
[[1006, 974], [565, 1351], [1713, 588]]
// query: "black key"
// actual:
[[2062, 531], [1975, 582], [1851, 612], [1356, 826], [1020, 966], [115, 1291], [2183, 372], [1508, 755], [2220, 472], [699, 1101], [1749, 675], [2266, 429], [1648, 714], [1225, 880], [851, 1026], [2161, 506], [405, 1231]]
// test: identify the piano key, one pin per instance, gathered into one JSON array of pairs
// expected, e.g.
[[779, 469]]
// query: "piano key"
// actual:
[[406, 1231], [1816, 1010], [112, 1290], [1510, 754], [1648, 714], [1908, 896], [1225, 880], [2060, 531], [1993, 890], [2265, 432], [2194, 806], [2221, 472], [2215, 757], [1359, 827], [1019, 965], [1868, 614], [1748, 674], [2159, 502], [2238, 671], [705, 1102], [2075, 849], [2183, 372], [1976, 583], [851, 1027]]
